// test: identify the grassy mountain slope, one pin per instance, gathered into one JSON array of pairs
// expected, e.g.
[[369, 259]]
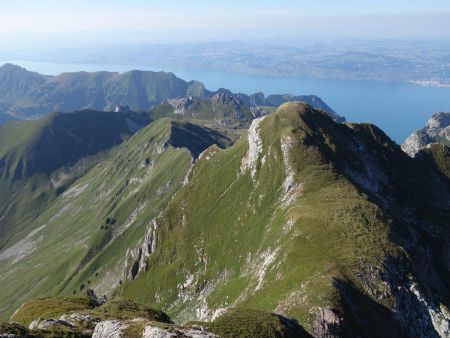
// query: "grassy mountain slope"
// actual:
[[44, 145], [329, 223], [79, 240], [40, 158]]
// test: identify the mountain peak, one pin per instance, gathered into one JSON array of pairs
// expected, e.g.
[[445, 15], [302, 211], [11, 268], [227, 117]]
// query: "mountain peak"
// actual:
[[297, 106], [437, 130], [10, 66], [438, 121]]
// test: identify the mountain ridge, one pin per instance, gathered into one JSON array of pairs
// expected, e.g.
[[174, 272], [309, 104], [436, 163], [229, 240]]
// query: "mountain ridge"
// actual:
[[334, 201], [328, 223], [87, 214], [25, 94]]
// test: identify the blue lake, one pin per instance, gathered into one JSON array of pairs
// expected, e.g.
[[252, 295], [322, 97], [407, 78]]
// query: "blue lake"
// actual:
[[397, 108]]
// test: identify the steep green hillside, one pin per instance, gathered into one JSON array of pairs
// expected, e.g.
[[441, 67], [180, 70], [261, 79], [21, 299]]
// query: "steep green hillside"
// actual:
[[329, 223], [80, 239], [44, 145], [40, 158]]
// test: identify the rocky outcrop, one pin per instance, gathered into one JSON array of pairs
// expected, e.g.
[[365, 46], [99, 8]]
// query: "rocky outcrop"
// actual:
[[181, 104], [257, 112], [109, 329], [222, 99], [13, 330], [328, 324], [291, 188], [255, 147], [74, 322], [437, 129], [43, 324], [116, 328], [157, 332], [415, 308], [232, 110], [80, 320], [136, 258]]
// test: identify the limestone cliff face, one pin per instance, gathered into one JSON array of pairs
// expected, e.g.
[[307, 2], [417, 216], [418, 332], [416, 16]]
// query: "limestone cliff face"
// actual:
[[436, 130], [135, 261]]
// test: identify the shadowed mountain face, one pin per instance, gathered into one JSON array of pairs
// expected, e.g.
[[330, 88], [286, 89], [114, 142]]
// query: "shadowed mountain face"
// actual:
[[42, 146], [40, 158]]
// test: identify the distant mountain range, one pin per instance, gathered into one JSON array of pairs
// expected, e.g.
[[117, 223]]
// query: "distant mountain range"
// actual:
[[424, 61], [25, 94]]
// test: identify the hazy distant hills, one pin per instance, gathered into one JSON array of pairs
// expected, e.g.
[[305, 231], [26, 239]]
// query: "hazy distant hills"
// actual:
[[46, 144], [424, 61], [25, 94]]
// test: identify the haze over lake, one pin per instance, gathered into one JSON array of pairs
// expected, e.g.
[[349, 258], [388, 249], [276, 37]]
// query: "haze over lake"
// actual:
[[397, 108]]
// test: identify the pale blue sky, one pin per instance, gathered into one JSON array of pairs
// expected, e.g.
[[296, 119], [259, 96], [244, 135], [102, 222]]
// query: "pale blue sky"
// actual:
[[234, 17], [325, 6]]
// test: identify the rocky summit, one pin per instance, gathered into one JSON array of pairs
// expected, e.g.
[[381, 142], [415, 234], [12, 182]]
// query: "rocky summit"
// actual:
[[437, 130]]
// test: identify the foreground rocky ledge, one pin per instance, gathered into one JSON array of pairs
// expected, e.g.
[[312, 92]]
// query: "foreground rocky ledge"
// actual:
[[81, 317]]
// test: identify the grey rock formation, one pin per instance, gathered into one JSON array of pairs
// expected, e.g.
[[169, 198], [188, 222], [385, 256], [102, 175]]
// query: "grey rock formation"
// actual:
[[328, 324], [156, 332], [80, 320], [257, 112], [226, 99], [115, 328], [436, 130], [75, 322], [181, 104], [43, 324], [109, 329], [136, 259]]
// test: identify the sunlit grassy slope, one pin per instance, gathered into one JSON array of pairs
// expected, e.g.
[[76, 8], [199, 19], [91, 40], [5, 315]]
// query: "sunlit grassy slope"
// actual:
[[315, 224], [79, 240]]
